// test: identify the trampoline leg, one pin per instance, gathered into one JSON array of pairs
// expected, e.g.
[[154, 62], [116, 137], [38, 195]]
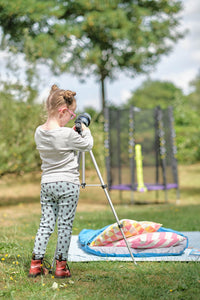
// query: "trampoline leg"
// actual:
[[157, 196], [177, 196], [166, 196], [132, 197], [120, 197]]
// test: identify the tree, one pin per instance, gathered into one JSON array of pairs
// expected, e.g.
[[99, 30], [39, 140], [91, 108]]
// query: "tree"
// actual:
[[92, 37], [153, 92], [156, 93], [194, 97], [18, 122]]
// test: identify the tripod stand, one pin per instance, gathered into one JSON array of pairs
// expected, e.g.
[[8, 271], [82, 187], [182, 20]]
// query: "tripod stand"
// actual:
[[104, 186]]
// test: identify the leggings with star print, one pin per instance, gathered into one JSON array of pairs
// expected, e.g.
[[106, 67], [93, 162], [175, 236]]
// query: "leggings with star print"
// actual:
[[58, 203]]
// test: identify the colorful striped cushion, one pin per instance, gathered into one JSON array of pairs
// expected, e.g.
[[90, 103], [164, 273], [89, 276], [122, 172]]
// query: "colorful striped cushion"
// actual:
[[130, 228], [150, 240]]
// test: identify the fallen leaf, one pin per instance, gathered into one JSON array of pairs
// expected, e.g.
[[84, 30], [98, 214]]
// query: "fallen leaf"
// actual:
[[54, 285]]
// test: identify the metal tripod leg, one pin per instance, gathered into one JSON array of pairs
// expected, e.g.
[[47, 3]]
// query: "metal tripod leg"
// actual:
[[110, 202]]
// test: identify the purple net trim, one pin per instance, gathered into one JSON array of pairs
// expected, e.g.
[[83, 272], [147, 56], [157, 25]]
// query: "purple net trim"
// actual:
[[150, 187]]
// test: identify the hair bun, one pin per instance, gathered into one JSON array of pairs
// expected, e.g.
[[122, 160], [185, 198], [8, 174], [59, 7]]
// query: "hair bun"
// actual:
[[69, 96], [58, 97], [54, 88]]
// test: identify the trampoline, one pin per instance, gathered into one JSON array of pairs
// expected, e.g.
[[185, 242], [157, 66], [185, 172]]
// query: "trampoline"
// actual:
[[140, 150]]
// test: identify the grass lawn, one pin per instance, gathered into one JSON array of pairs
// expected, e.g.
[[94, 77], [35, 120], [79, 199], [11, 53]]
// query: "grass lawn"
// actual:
[[20, 215]]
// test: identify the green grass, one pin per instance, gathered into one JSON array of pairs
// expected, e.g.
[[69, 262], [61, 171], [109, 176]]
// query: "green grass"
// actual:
[[99, 280]]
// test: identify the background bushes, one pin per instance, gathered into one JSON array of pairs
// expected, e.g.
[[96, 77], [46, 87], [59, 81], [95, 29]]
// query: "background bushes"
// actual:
[[19, 119]]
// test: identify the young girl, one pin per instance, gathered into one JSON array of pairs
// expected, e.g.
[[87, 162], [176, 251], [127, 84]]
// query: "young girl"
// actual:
[[60, 184]]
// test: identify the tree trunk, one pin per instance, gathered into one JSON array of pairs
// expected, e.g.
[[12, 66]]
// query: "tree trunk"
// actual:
[[103, 101]]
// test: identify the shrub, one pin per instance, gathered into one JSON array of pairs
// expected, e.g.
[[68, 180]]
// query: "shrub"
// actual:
[[17, 147]]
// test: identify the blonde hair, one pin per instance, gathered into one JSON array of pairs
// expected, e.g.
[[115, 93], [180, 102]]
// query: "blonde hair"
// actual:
[[58, 97]]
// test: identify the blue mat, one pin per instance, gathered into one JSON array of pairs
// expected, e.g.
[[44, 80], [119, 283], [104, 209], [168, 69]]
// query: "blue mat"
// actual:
[[192, 253]]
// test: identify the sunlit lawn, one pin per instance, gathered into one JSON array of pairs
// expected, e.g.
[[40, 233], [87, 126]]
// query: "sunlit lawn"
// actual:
[[97, 280]]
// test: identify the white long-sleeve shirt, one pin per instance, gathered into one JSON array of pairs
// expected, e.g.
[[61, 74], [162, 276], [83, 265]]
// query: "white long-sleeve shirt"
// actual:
[[58, 152]]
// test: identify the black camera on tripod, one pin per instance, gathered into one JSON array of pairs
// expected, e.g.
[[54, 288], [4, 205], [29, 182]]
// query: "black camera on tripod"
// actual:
[[84, 118]]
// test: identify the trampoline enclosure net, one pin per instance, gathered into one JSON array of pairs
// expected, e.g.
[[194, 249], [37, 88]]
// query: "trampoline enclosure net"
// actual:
[[152, 129]]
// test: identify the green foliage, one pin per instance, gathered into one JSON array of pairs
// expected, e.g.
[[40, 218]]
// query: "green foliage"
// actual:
[[98, 149], [186, 113], [95, 116], [194, 96], [155, 93], [187, 131], [19, 118], [92, 37], [18, 121]]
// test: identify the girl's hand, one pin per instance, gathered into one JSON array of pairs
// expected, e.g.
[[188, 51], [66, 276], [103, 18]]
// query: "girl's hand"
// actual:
[[84, 127]]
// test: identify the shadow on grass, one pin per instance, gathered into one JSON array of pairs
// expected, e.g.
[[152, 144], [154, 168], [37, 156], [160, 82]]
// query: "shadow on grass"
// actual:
[[15, 201], [185, 193], [190, 191]]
